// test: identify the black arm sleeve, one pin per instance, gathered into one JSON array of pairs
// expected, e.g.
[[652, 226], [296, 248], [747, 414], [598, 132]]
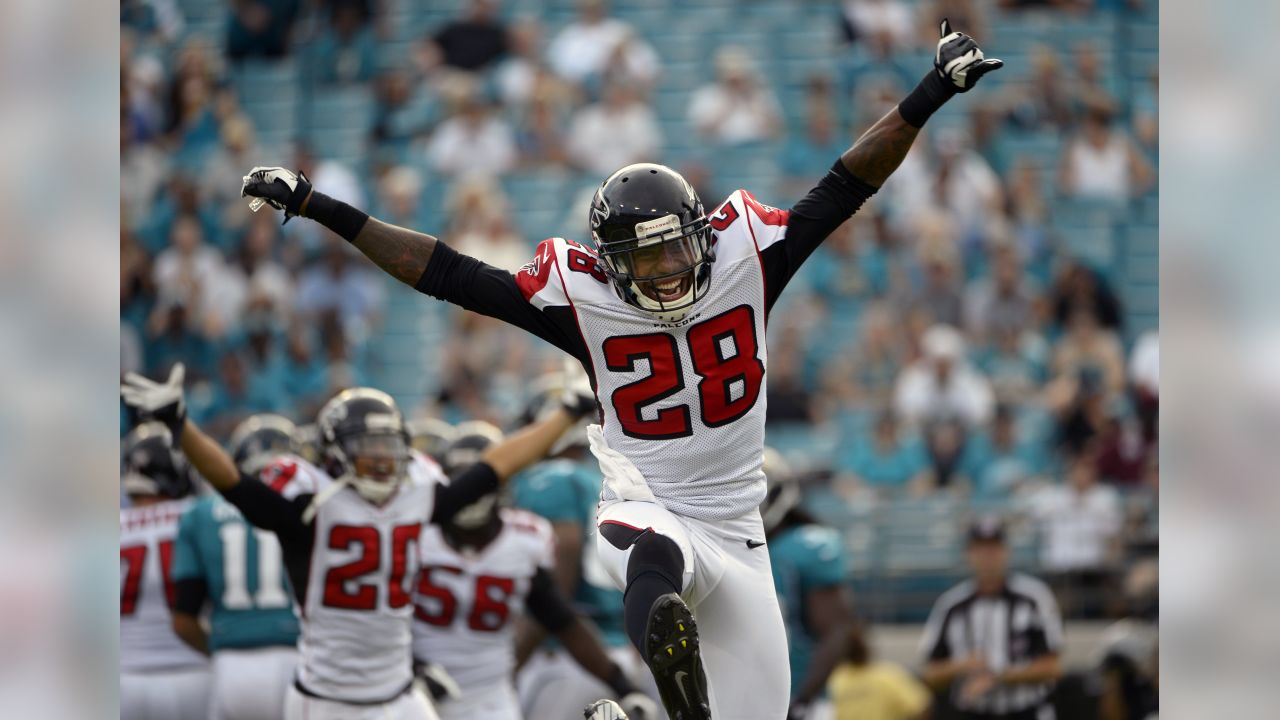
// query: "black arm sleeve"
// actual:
[[474, 483], [476, 286], [268, 509], [546, 604], [190, 594], [835, 199]]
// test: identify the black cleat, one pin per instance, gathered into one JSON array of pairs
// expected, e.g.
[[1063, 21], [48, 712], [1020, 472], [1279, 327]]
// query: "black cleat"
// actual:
[[671, 652]]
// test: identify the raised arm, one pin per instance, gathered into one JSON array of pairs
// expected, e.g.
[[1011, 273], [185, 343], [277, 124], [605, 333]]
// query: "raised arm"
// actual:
[[958, 65]]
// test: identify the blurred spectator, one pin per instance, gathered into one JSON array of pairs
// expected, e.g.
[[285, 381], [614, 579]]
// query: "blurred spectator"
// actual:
[[1090, 87], [1081, 288], [340, 284], [260, 28], [1144, 375], [1000, 462], [159, 18], [788, 399], [966, 187], [945, 441], [540, 135], [1016, 363], [266, 369], [143, 170], [1087, 350], [1046, 101], [484, 364], [1080, 524], [474, 140], [523, 75], [889, 459], [1031, 4], [142, 87], [472, 42], [220, 182], [403, 111], [255, 275], [1102, 162], [1028, 214], [864, 689], [876, 78], [942, 385], [1005, 301], [331, 177], [939, 292], [227, 401], [400, 194], [994, 641], [891, 22], [172, 340], [807, 155], [615, 132], [965, 14], [584, 48], [866, 373], [738, 107], [346, 51], [190, 273], [306, 375], [480, 225], [193, 122]]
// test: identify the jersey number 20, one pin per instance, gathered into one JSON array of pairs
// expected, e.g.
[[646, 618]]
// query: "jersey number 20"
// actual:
[[724, 352]]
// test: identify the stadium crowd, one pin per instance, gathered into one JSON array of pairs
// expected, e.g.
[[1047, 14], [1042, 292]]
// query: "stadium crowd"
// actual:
[[952, 340]]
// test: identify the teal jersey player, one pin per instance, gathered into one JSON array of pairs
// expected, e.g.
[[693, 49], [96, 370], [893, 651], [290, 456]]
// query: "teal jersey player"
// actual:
[[805, 558], [242, 569], [564, 491]]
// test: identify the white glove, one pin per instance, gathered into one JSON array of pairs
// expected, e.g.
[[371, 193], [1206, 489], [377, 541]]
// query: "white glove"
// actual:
[[639, 706], [437, 682], [159, 401], [604, 710], [959, 60]]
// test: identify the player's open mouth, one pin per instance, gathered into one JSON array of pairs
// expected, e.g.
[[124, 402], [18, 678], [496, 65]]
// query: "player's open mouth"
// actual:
[[670, 289]]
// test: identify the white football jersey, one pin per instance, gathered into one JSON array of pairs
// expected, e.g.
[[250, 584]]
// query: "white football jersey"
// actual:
[[467, 602], [147, 641], [356, 605], [684, 402]]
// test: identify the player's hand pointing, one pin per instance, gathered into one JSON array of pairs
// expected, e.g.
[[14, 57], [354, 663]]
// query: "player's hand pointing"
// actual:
[[959, 60], [278, 187]]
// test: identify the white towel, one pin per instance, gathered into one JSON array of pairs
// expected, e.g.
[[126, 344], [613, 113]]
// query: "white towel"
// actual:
[[621, 476]]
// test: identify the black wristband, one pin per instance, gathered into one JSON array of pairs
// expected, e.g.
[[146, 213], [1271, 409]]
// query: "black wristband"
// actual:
[[932, 93], [336, 215], [618, 682]]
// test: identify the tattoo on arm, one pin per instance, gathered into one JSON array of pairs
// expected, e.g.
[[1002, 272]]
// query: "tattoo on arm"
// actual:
[[401, 252], [880, 150]]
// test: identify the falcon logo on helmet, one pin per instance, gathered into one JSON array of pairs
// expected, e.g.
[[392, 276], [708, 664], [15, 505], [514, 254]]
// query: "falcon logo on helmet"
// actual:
[[653, 239]]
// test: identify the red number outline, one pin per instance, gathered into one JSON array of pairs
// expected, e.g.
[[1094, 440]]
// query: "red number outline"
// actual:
[[135, 557], [621, 354], [426, 588], [718, 372], [486, 606], [404, 541], [365, 595]]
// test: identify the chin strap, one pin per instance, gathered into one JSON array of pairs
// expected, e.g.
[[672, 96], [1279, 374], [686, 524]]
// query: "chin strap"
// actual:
[[323, 497]]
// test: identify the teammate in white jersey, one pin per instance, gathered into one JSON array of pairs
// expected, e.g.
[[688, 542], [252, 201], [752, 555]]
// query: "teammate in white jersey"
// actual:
[[667, 311], [350, 537], [481, 572], [160, 677]]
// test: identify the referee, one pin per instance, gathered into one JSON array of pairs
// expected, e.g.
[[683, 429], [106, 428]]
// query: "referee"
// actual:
[[994, 639]]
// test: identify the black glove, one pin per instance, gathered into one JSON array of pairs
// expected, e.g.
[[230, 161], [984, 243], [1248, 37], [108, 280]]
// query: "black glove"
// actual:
[[959, 60], [275, 186], [158, 401], [798, 711]]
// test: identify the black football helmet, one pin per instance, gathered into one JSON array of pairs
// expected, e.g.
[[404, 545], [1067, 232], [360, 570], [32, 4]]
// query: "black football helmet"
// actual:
[[431, 436], [653, 239], [262, 438], [469, 442], [364, 423], [151, 465]]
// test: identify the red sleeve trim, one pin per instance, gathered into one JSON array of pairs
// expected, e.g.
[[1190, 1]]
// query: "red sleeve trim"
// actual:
[[533, 277], [768, 215]]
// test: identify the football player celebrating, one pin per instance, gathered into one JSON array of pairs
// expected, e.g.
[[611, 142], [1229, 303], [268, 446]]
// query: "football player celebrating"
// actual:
[[350, 536], [222, 562], [160, 677], [810, 572], [666, 309]]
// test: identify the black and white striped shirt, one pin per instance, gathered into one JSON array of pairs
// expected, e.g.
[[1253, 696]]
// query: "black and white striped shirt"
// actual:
[[1007, 630]]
